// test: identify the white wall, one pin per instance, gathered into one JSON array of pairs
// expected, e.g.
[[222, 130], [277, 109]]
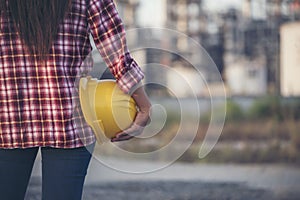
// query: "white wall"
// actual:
[[290, 59], [247, 78], [184, 82]]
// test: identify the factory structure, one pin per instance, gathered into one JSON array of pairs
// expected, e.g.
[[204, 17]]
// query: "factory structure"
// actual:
[[255, 49]]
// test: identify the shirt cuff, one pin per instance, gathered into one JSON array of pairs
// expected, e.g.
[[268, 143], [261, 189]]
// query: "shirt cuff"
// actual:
[[130, 78]]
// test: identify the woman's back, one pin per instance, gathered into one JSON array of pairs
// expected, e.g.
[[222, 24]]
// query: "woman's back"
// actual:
[[38, 101]]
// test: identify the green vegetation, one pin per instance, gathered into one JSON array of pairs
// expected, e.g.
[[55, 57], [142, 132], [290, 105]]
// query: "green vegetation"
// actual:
[[267, 107], [234, 111], [269, 131]]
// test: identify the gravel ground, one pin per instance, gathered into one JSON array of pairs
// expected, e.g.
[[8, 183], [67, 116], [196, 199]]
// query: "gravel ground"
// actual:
[[174, 191], [162, 190], [182, 181]]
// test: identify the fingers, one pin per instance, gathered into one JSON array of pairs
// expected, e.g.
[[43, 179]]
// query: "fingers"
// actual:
[[128, 134], [122, 138], [141, 120]]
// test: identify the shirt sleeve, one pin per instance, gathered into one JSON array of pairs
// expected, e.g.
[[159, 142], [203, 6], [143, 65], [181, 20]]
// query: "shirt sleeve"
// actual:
[[109, 36]]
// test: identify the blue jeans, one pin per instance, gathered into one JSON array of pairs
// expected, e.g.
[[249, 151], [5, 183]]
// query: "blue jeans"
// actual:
[[63, 172]]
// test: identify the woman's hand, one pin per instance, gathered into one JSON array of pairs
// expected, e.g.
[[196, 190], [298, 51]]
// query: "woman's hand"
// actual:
[[141, 120]]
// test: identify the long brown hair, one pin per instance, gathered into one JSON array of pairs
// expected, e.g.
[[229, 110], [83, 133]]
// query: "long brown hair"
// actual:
[[37, 21]]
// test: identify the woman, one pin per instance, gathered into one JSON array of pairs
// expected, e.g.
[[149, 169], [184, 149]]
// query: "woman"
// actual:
[[43, 44]]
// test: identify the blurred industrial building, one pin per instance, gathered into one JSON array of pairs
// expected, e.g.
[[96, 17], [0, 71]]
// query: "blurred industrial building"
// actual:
[[256, 48]]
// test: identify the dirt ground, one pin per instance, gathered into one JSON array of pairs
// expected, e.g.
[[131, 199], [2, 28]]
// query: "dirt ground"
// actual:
[[171, 190], [184, 182]]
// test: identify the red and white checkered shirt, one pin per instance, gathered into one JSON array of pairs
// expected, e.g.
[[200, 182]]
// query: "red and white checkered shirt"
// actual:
[[39, 105]]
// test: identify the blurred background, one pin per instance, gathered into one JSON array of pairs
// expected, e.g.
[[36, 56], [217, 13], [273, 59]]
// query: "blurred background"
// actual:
[[255, 47]]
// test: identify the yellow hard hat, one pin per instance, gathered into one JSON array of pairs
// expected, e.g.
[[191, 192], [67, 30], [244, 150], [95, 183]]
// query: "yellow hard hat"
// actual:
[[105, 107]]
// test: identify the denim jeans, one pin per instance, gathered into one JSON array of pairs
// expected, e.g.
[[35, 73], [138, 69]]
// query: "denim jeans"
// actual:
[[63, 172]]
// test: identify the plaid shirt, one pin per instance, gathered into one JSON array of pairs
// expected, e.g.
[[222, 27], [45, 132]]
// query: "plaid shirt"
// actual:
[[39, 104]]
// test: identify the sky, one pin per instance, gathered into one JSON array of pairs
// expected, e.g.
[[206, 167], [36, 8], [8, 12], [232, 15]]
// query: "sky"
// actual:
[[152, 12]]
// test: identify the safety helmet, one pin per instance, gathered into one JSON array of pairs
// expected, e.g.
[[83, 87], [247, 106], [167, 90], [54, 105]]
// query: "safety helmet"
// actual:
[[106, 108]]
